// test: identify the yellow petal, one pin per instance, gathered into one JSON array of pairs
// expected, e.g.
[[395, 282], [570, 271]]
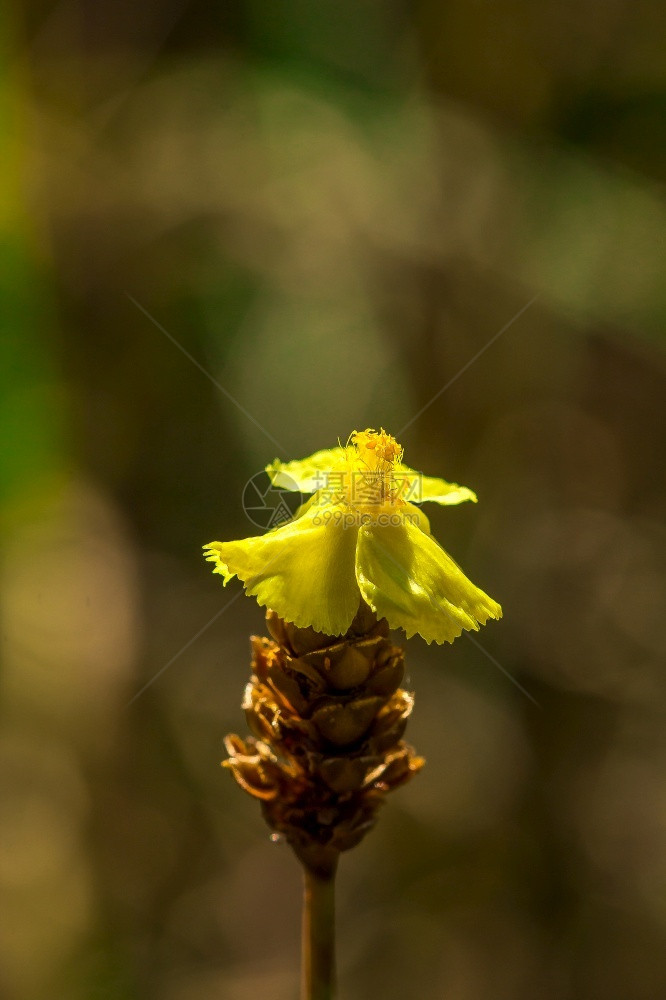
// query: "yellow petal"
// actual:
[[407, 577], [211, 554], [417, 488], [306, 474], [303, 570]]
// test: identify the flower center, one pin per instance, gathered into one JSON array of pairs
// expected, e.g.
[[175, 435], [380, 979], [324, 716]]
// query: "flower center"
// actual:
[[372, 457]]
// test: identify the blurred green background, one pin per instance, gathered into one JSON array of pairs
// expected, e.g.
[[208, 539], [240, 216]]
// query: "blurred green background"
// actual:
[[326, 211]]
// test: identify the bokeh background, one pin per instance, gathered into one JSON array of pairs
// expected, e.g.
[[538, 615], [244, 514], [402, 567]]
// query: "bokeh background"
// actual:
[[238, 230]]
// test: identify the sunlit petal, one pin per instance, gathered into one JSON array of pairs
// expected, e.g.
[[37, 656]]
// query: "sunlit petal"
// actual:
[[304, 570], [417, 488], [406, 577], [306, 474]]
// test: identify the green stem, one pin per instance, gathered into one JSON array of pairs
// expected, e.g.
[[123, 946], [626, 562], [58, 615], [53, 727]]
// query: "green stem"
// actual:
[[318, 981]]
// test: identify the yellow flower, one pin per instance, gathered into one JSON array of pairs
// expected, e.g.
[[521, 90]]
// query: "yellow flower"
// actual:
[[360, 535]]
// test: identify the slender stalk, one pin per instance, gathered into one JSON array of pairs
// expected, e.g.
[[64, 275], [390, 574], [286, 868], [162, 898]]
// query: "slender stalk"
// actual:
[[318, 965]]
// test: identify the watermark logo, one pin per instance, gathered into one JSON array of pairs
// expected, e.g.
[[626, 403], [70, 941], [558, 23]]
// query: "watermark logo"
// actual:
[[350, 518], [373, 487], [342, 498], [268, 506]]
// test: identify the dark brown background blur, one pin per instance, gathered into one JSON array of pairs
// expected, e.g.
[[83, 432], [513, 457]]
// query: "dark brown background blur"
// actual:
[[332, 207]]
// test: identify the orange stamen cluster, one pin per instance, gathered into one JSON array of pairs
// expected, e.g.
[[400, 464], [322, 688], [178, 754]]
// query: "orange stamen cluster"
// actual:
[[372, 460]]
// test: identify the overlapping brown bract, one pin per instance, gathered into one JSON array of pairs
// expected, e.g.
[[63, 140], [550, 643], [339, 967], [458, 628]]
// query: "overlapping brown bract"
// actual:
[[327, 716]]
